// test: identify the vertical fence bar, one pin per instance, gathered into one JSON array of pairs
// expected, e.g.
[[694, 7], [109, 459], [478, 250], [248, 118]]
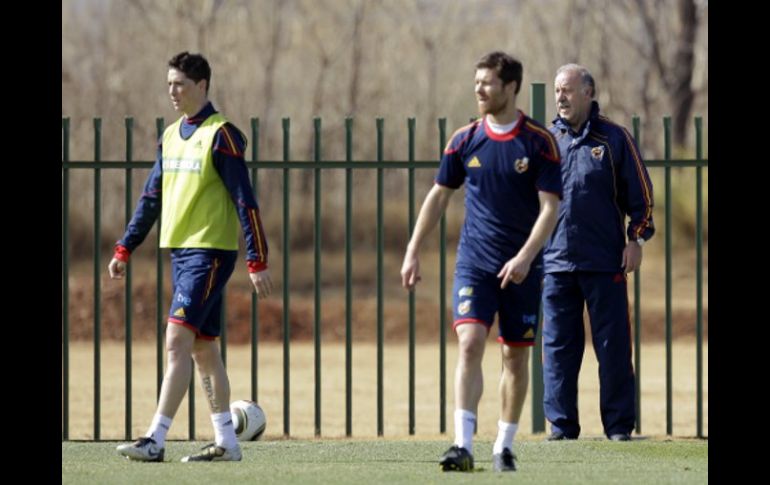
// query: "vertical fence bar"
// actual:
[[380, 249], [254, 308], [699, 275], [65, 351], [191, 407], [317, 274], [161, 320], [348, 279], [442, 296], [223, 320], [159, 305], [638, 319], [97, 278], [286, 293], [537, 107], [128, 293], [669, 383], [411, 127]]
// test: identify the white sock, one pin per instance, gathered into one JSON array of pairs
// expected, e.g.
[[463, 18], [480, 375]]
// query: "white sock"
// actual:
[[159, 428], [224, 432], [465, 425], [505, 434]]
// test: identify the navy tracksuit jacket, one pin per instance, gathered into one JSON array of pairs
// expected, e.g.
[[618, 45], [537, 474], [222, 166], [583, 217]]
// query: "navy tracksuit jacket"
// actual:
[[604, 181]]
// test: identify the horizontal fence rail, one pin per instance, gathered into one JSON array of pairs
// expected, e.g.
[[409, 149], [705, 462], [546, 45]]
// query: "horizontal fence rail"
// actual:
[[317, 166]]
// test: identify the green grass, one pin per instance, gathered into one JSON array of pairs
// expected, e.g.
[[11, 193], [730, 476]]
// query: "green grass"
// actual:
[[393, 461]]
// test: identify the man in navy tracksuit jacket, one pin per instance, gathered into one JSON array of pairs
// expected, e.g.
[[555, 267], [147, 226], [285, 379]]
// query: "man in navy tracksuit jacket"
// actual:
[[588, 256]]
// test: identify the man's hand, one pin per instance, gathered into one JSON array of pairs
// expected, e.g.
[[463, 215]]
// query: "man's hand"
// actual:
[[117, 269], [516, 269], [262, 282], [410, 271], [632, 257]]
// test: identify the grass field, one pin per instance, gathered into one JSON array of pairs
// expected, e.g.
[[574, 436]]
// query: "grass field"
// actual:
[[591, 461]]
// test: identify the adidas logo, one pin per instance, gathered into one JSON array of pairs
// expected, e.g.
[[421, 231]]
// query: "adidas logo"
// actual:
[[179, 312], [529, 333], [474, 163]]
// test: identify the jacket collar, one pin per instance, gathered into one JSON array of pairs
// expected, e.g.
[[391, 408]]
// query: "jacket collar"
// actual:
[[562, 124]]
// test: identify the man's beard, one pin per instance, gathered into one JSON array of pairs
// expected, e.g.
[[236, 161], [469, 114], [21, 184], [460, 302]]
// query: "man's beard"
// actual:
[[494, 109]]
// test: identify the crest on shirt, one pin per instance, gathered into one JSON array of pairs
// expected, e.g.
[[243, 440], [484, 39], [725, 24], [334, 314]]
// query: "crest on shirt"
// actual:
[[597, 152], [521, 164], [464, 307], [529, 319]]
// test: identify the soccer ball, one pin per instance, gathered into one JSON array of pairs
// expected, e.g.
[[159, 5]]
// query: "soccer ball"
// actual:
[[248, 419]]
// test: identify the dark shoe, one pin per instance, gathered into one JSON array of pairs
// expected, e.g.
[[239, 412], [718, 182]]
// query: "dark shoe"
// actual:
[[503, 462], [143, 449], [620, 437], [213, 452], [456, 459], [558, 436]]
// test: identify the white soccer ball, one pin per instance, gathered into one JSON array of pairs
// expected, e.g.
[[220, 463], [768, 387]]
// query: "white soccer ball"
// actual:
[[248, 419]]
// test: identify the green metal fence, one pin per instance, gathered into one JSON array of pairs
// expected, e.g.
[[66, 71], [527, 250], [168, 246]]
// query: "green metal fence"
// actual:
[[537, 109]]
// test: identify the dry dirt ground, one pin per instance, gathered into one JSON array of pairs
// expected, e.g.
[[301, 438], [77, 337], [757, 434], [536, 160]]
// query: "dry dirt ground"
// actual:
[[364, 407], [364, 328]]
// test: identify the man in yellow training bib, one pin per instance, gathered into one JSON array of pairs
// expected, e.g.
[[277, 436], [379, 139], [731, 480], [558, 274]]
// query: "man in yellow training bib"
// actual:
[[199, 187]]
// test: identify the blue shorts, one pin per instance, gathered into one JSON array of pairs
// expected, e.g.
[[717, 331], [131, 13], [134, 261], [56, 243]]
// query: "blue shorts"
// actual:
[[198, 277], [476, 297]]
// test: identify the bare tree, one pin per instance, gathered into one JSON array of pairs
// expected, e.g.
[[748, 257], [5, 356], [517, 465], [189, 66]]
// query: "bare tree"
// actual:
[[274, 48], [357, 57], [676, 71], [575, 28], [366, 58], [429, 25], [328, 50]]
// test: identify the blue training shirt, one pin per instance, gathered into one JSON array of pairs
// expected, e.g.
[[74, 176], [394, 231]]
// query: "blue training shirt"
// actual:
[[503, 174]]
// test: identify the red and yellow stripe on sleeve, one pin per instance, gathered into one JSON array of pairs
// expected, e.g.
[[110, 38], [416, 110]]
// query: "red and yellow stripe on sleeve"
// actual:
[[230, 147], [552, 151], [260, 245], [644, 183]]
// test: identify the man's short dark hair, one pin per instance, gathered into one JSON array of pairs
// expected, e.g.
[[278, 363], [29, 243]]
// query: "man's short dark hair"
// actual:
[[194, 66], [508, 68]]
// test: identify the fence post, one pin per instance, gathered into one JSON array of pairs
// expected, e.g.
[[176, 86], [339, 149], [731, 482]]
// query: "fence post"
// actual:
[[159, 304], [286, 278], [97, 278], [638, 320], [65, 203], [442, 294], [348, 279], [699, 273], [254, 308], [410, 228], [537, 108], [669, 383], [380, 249], [127, 290], [317, 273]]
